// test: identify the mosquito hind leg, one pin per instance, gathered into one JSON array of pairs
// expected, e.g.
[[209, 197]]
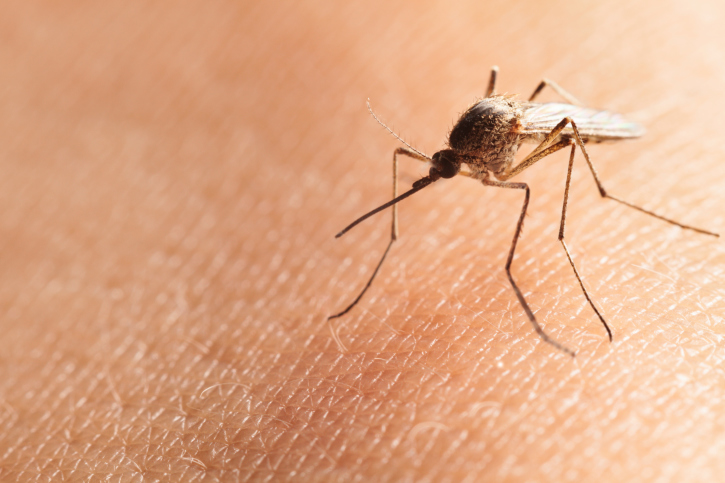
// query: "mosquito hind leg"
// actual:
[[559, 90], [491, 90], [393, 228], [577, 141], [604, 193], [544, 336]]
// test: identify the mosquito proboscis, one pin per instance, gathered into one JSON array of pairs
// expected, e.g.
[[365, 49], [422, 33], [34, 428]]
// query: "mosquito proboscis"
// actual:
[[485, 140]]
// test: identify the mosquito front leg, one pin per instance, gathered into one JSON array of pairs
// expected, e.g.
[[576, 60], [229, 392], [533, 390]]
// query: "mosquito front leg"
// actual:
[[559, 90], [604, 193], [394, 227], [492, 81], [544, 336]]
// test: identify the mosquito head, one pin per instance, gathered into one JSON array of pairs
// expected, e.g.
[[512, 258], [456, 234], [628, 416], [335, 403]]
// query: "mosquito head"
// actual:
[[446, 163]]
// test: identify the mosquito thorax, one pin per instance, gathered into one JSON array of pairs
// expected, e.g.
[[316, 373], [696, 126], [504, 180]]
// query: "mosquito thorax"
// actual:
[[486, 134], [485, 120], [446, 163]]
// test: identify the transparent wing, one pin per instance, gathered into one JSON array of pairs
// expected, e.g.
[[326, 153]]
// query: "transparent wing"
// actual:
[[593, 124]]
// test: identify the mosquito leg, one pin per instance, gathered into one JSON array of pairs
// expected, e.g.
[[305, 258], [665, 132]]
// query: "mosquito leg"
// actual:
[[534, 157], [604, 193], [559, 90], [542, 150], [394, 226], [491, 90], [544, 336], [566, 249], [414, 155]]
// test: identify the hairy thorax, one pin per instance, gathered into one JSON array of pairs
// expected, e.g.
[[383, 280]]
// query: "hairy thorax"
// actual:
[[486, 137]]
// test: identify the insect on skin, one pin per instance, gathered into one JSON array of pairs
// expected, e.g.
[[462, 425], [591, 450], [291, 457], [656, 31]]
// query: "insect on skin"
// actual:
[[486, 138]]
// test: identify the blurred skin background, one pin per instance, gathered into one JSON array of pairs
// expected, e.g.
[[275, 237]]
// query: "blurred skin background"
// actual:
[[173, 174]]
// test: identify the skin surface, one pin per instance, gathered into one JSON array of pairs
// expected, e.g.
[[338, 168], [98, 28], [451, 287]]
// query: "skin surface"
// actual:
[[172, 176]]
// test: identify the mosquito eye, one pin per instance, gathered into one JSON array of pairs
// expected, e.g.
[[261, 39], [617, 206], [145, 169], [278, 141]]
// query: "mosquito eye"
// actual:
[[446, 163]]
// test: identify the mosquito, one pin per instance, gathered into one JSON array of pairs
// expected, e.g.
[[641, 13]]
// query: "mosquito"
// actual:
[[486, 138]]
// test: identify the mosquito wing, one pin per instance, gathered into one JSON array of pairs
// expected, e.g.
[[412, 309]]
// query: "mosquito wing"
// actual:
[[593, 124]]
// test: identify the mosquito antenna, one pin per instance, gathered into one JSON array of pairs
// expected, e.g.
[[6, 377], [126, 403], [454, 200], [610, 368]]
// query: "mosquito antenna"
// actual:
[[393, 132], [417, 186]]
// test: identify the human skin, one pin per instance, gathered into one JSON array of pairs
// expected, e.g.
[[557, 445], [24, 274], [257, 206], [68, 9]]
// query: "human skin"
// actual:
[[172, 180]]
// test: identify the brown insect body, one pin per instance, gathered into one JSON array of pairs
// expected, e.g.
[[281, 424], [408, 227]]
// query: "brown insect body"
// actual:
[[488, 135]]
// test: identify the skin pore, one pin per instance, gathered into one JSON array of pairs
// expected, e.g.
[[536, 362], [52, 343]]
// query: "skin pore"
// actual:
[[174, 176]]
